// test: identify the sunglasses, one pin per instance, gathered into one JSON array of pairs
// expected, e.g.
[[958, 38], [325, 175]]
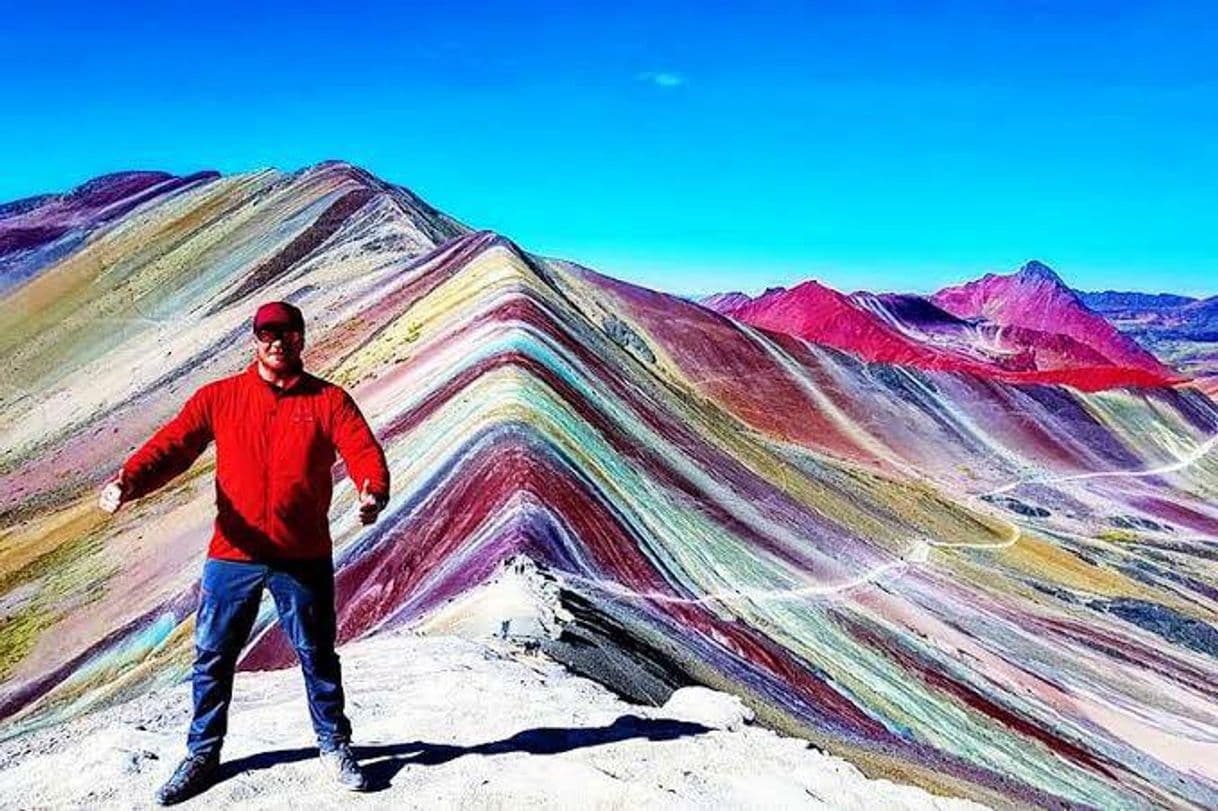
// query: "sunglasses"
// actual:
[[267, 335]]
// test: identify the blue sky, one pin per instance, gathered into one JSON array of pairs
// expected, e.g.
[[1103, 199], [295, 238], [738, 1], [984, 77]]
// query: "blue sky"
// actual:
[[689, 147]]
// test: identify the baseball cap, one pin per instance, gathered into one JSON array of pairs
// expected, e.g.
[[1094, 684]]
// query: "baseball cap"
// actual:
[[278, 314]]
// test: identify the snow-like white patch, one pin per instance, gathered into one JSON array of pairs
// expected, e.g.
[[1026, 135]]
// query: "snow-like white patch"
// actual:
[[710, 708], [445, 722]]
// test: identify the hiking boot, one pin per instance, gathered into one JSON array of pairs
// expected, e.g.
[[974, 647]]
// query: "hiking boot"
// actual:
[[340, 765], [194, 774]]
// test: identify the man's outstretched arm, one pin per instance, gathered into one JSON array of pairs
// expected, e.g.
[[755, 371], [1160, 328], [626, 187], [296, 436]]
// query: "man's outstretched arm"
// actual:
[[363, 456], [170, 451]]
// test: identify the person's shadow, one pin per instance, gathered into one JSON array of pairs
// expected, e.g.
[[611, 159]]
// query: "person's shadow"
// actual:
[[392, 758]]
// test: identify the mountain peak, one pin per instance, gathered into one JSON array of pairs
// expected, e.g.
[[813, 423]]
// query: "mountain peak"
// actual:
[[345, 169], [1035, 297], [1034, 269], [811, 287]]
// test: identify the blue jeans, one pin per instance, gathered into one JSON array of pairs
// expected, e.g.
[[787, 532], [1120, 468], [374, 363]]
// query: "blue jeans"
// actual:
[[228, 605]]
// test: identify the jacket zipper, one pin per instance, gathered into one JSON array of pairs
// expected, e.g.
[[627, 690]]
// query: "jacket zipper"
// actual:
[[269, 467]]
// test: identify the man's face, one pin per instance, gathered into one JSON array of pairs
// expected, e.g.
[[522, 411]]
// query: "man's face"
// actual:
[[278, 348]]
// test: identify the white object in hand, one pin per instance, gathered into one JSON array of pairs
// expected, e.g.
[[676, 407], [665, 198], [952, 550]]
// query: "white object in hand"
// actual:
[[113, 494]]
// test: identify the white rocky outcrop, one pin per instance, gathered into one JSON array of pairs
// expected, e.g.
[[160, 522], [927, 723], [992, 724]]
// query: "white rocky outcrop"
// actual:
[[710, 708]]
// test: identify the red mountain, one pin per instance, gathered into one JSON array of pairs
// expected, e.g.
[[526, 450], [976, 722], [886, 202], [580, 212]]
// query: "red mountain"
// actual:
[[825, 316], [1036, 298], [959, 334]]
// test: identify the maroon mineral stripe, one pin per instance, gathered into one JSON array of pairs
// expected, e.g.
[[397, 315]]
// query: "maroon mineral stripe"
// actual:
[[895, 648], [17, 239], [425, 273], [304, 243], [412, 282], [616, 556], [651, 412], [661, 468], [1178, 514], [454, 385], [1098, 638]]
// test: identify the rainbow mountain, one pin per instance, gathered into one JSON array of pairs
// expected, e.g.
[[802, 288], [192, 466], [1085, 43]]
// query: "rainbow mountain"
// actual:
[[993, 588]]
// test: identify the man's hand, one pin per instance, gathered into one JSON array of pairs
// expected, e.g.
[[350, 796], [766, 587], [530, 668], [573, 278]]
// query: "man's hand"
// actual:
[[370, 506], [114, 494]]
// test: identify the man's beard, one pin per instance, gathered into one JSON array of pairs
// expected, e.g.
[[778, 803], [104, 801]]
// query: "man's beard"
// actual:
[[285, 363]]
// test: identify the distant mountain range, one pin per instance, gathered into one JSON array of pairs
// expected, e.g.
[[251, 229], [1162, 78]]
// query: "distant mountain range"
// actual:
[[1027, 326], [1110, 301], [1182, 331]]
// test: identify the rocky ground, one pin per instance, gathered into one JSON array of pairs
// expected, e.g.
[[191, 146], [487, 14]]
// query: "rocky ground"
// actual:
[[446, 722]]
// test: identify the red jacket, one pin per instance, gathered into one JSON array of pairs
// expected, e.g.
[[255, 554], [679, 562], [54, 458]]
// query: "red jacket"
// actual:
[[274, 454]]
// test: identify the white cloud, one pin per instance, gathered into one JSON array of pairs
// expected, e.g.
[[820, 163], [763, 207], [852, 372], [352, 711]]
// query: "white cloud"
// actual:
[[661, 78]]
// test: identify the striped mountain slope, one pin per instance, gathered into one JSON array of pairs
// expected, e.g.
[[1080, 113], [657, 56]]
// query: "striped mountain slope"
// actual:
[[993, 590]]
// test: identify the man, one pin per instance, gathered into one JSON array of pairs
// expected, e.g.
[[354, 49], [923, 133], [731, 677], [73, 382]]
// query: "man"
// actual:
[[276, 429]]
